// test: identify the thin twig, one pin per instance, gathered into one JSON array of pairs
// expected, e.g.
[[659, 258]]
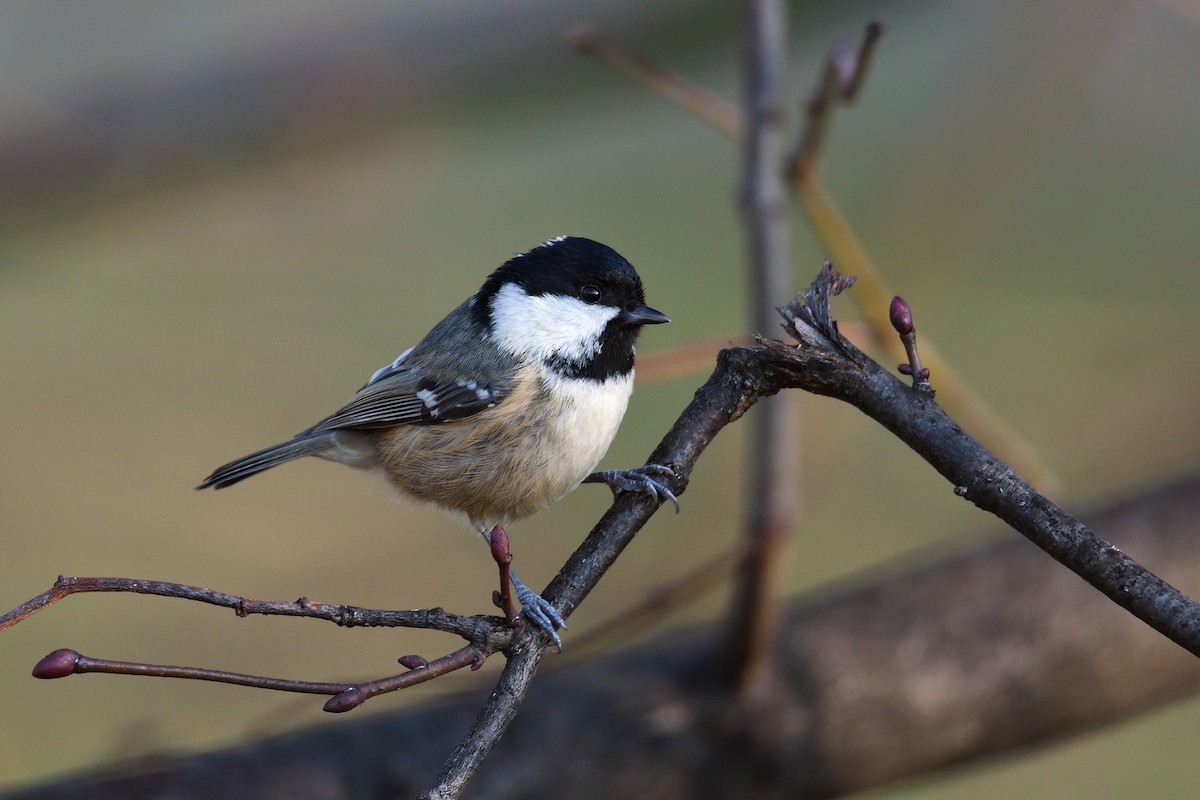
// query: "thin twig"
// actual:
[[485, 635], [502, 555], [845, 70], [353, 696], [64, 662], [475, 629], [346, 695], [710, 107]]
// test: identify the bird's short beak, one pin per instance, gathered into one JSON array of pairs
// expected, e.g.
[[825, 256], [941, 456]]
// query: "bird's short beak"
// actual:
[[644, 315]]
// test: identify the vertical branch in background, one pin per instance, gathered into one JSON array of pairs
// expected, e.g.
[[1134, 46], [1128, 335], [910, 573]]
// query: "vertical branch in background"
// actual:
[[773, 469]]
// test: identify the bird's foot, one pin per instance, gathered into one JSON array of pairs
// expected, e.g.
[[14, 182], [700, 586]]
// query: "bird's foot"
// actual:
[[639, 479], [538, 610]]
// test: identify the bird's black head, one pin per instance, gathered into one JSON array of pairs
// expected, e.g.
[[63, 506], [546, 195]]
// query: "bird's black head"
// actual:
[[573, 302]]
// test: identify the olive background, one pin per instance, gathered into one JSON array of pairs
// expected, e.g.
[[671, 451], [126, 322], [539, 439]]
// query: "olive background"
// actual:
[[219, 219]]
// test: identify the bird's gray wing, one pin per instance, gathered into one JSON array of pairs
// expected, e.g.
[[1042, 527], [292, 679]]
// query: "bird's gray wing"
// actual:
[[403, 396]]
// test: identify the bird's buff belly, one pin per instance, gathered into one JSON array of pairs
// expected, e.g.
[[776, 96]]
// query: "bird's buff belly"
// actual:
[[529, 462]]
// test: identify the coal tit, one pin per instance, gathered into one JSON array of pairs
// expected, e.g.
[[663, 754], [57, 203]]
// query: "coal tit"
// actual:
[[506, 405]]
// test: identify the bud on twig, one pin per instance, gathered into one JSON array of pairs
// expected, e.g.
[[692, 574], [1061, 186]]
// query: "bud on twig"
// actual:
[[498, 539], [58, 664], [412, 662], [900, 315], [346, 701]]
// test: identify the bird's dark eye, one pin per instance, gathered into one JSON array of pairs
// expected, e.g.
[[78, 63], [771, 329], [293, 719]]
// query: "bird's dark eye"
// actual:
[[589, 294]]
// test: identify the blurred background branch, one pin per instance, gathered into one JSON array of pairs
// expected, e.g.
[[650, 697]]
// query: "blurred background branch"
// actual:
[[773, 479]]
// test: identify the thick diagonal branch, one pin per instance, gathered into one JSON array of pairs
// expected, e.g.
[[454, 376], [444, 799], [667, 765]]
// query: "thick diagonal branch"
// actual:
[[826, 363]]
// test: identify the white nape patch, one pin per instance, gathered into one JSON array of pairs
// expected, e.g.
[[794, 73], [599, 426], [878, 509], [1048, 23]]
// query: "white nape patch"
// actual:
[[551, 242], [548, 325], [383, 370]]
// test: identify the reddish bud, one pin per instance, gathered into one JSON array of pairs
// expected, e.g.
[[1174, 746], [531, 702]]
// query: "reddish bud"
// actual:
[[923, 374], [58, 664], [412, 662], [345, 701], [905, 369], [901, 316], [498, 539]]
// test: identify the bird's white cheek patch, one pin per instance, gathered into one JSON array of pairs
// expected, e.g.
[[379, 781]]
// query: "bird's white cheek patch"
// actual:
[[547, 326]]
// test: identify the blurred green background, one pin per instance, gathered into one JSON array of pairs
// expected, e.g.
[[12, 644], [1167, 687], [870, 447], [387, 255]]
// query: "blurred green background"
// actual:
[[219, 218]]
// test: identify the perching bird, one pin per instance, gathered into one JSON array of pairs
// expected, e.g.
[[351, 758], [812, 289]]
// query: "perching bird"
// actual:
[[506, 405]]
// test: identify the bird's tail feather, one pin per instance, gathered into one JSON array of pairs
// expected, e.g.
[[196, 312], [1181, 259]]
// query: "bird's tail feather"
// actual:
[[244, 467]]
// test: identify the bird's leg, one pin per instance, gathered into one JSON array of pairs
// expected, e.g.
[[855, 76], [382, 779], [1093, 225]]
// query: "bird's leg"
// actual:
[[639, 479], [539, 610]]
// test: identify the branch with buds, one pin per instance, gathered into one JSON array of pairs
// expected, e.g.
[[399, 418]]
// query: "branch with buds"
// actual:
[[901, 317], [485, 635]]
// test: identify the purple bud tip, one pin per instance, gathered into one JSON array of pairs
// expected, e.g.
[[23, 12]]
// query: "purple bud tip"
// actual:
[[58, 664], [498, 539], [923, 374], [412, 662], [901, 316], [905, 369], [497, 600], [345, 701]]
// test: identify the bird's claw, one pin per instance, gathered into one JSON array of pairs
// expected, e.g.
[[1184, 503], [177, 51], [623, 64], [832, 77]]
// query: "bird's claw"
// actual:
[[538, 610], [639, 479]]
